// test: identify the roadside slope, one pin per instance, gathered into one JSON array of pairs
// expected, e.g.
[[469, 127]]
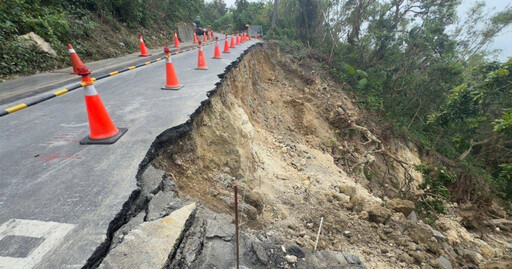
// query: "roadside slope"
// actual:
[[300, 149]]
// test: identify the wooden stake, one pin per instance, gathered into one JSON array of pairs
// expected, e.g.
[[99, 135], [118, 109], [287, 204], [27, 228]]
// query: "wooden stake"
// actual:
[[319, 230]]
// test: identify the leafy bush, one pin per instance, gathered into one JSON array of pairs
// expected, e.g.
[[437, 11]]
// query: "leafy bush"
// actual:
[[435, 191], [16, 58]]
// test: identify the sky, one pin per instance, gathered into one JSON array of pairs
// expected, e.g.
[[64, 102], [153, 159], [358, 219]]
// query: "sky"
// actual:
[[503, 41]]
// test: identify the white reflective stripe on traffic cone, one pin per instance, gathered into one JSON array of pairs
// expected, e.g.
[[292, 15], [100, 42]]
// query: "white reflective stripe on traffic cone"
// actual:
[[72, 51], [90, 90]]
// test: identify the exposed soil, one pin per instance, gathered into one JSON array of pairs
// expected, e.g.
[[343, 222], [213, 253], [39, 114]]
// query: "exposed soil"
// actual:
[[300, 149]]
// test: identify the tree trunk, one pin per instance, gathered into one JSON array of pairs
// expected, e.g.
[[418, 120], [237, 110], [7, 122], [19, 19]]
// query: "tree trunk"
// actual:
[[274, 13], [471, 145]]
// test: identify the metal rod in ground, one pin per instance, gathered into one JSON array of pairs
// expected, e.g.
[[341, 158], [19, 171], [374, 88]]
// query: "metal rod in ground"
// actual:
[[319, 230], [236, 228]]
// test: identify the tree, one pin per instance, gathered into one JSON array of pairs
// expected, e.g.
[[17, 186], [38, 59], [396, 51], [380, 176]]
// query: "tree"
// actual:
[[213, 11], [478, 114]]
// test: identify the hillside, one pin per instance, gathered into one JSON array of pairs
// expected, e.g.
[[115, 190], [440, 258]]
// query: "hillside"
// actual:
[[96, 29]]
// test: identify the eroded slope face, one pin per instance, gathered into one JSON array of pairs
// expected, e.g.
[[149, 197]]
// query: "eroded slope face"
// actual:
[[299, 150]]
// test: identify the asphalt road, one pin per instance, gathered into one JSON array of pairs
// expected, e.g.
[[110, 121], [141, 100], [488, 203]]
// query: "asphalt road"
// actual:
[[57, 197], [27, 86]]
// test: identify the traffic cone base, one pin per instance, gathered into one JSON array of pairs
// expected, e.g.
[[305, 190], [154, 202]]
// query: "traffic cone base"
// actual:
[[147, 55], [173, 88], [104, 141], [201, 68]]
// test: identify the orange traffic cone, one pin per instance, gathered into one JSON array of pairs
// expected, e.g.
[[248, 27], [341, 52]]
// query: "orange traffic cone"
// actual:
[[205, 38], [232, 41], [201, 63], [226, 45], [256, 36], [242, 38], [102, 129], [237, 38], [143, 50], [75, 60], [172, 82], [195, 38], [216, 54], [176, 40]]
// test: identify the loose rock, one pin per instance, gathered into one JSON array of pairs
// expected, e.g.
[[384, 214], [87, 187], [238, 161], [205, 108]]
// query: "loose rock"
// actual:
[[377, 214], [34, 39], [444, 262], [291, 258], [399, 205]]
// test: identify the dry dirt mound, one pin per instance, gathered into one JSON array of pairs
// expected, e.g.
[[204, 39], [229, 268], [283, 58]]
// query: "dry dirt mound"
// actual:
[[300, 149]]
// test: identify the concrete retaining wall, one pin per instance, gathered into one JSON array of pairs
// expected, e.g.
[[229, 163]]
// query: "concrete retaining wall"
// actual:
[[186, 32]]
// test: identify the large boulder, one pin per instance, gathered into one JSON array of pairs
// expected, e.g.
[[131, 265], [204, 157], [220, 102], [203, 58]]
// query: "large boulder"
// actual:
[[422, 234], [399, 205], [377, 213], [33, 39]]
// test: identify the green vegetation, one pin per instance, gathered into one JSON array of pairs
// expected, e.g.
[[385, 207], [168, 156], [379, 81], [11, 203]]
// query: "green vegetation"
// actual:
[[435, 191]]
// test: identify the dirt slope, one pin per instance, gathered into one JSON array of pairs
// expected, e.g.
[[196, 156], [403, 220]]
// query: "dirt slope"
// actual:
[[300, 149]]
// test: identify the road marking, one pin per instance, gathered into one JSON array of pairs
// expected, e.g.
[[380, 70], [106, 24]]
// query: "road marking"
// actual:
[[132, 67], [52, 234], [146, 63], [61, 92], [113, 73], [15, 108]]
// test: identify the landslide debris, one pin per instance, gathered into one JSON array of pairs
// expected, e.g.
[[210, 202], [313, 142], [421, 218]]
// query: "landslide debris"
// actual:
[[300, 149]]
